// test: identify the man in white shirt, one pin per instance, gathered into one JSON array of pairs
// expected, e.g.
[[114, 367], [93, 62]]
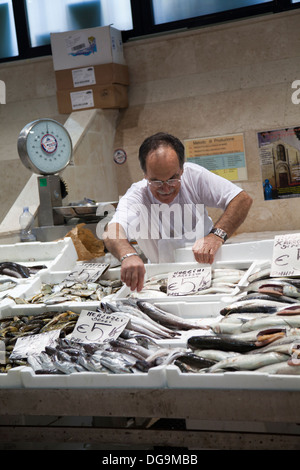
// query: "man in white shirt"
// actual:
[[167, 210]]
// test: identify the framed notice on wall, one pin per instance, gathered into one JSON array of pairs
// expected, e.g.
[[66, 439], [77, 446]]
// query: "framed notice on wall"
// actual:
[[279, 152], [223, 155]]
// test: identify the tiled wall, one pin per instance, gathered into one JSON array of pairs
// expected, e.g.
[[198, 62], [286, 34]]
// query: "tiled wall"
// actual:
[[218, 80]]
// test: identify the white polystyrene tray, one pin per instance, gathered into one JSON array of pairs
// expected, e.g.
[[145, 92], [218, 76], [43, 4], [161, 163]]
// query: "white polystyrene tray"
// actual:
[[58, 255], [154, 378], [155, 269], [8, 307], [231, 380], [244, 251], [12, 379], [54, 255]]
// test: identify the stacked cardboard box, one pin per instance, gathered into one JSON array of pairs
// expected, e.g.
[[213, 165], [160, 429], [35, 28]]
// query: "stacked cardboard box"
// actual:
[[90, 69]]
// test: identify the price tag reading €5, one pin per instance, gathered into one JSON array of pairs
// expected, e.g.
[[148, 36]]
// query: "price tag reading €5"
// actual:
[[189, 282], [86, 272], [98, 327], [286, 255]]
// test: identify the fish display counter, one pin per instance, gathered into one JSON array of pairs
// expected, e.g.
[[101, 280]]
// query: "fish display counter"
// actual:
[[172, 358]]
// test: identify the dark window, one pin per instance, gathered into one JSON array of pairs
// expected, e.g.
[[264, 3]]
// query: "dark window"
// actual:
[[25, 25]]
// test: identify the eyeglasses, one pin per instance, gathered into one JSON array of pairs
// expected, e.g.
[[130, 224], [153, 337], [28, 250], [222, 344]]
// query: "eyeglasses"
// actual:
[[158, 184]]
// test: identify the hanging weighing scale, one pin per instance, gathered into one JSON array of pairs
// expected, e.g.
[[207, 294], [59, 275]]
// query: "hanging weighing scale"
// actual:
[[45, 148]]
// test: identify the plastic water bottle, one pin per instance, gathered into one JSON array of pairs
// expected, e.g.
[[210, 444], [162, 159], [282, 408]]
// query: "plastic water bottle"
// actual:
[[267, 189], [26, 222]]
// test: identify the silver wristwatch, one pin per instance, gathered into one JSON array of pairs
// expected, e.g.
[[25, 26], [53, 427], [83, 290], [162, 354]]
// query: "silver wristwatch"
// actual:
[[220, 233]]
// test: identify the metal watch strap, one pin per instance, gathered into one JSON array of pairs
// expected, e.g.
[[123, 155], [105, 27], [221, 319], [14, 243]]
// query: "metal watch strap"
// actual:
[[127, 256], [220, 233]]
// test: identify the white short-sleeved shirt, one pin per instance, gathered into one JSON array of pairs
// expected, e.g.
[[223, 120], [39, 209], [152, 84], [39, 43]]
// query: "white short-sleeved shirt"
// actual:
[[160, 228]]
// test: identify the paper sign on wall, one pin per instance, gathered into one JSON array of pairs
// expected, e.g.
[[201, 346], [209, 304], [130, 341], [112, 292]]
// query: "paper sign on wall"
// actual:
[[286, 255], [189, 282]]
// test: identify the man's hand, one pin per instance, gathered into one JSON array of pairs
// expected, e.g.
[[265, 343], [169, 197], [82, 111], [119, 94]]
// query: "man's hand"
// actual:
[[133, 272], [205, 248]]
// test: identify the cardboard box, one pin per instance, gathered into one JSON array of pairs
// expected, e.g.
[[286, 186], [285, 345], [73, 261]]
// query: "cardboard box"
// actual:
[[93, 75], [103, 97], [85, 47]]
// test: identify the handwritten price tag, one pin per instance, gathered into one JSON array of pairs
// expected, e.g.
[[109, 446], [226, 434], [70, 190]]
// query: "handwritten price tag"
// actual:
[[189, 282], [98, 327], [86, 272], [286, 255], [32, 345]]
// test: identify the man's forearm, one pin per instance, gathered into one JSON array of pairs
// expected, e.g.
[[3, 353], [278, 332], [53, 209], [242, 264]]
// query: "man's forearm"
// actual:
[[235, 213], [116, 242]]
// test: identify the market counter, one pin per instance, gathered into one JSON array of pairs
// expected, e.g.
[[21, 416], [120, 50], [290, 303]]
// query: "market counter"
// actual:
[[238, 412]]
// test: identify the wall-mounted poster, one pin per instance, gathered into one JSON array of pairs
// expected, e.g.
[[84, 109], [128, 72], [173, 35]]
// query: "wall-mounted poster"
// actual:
[[224, 155], [280, 162]]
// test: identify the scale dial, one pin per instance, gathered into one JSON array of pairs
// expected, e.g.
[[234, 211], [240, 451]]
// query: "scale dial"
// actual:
[[45, 146]]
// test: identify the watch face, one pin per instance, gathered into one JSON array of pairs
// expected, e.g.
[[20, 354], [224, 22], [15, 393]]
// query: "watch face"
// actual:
[[45, 147]]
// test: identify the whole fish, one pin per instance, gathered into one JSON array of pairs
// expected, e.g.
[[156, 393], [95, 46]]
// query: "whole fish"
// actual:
[[252, 306], [116, 362], [265, 296], [248, 362], [193, 361], [221, 342], [140, 351], [132, 309], [268, 321], [167, 319], [14, 269], [214, 354]]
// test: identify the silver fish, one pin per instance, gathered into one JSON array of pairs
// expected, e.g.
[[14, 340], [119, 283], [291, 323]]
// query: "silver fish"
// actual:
[[167, 319], [248, 362]]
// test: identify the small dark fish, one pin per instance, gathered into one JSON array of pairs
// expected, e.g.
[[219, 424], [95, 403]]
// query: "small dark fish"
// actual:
[[14, 269], [222, 342], [193, 362]]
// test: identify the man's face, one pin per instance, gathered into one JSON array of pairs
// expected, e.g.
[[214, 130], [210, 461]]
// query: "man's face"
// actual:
[[163, 165]]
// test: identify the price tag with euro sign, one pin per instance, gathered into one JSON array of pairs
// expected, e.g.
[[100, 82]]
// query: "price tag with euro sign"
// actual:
[[189, 282], [286, 255], [86, 272], [98, 327]]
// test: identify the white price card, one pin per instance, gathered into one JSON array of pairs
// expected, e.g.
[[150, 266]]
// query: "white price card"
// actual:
[[189, 282], [286, 255], [86, 272], [98, 327], [83, 77], [32, 345], [82, 99]]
